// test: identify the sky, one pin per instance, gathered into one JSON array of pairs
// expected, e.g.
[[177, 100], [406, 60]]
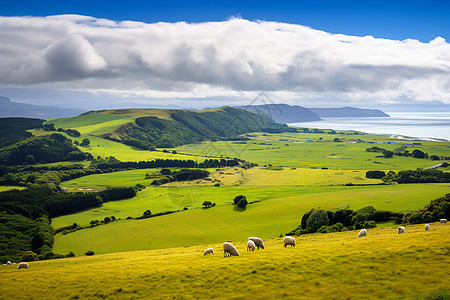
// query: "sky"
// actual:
[[113, 54]]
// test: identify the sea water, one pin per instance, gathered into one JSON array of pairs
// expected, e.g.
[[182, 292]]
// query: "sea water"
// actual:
[[426, 126]]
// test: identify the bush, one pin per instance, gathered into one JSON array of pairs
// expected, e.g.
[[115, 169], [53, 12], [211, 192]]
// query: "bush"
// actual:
[[369, 224], [165, 171], [242, 203], [435, 157], [29, 256], [147, 213], [316, 220], [207, 204], [239, 198], [375, 174], [89, 253]]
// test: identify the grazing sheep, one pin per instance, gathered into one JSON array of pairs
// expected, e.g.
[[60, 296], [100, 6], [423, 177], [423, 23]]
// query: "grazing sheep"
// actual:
[[208, 251], [362, 232], [258, 242], [23, 265], [229, 250], [251, 245], [401, 229], [8, 263], [288, 240], [427, 226], [443, 220]]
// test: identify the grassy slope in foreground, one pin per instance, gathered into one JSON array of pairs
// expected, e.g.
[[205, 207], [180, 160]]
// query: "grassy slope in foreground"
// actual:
[[383, 265], [266, 219]]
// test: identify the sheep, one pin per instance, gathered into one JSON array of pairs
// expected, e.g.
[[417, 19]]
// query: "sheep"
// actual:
[[208, 251], [401, 229], [23, 265], [258, 242], [362, 232], [251, 245], [229, 250], [443, 220], [288, 240], [8, 263], [427, 226]]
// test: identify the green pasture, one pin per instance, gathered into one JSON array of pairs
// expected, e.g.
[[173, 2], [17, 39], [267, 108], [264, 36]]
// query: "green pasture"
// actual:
[[382, 265], [280, 212], [9, 187], [343, 155]]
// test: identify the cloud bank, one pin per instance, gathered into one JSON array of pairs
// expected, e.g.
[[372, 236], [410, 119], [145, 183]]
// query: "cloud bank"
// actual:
[[232, 58]]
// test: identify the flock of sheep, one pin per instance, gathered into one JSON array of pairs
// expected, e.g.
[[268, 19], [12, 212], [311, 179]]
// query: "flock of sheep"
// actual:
[[255, 242], [252, 244]]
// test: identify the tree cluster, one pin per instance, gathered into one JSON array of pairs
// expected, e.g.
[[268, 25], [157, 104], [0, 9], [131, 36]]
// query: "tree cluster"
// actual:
[[418, 176]]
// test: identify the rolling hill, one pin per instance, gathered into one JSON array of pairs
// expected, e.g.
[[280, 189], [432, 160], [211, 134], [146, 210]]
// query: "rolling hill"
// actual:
[[348, 112], [166, 128], [283, 113]]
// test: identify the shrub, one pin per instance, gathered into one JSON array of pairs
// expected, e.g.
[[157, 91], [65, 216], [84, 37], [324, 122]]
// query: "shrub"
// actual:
[[375, 174], [435, 157], [29, 256], [369, 224], [147, 213], [165, 171], [238, 198], [89, 253], [316, 220], [242, 203], [207, 204]]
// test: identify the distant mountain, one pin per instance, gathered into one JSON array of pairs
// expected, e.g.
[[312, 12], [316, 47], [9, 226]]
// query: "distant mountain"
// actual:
[[283, 113], [9, 108], [348, 112]]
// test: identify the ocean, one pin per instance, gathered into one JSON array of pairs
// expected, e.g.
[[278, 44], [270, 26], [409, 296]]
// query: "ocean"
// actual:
[[424, 126]]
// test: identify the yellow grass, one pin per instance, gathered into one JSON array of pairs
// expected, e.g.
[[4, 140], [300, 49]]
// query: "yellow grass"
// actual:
[[383, 265]]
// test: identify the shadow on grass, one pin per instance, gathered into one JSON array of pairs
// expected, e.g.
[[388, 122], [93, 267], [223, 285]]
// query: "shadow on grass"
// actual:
[[239, 209]]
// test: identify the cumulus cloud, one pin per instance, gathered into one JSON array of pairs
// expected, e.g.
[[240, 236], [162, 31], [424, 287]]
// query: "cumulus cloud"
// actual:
[[233, 57]]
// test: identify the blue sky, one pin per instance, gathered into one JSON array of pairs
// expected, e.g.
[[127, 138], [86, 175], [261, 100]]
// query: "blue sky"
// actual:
[[309, 53], [422, 20]]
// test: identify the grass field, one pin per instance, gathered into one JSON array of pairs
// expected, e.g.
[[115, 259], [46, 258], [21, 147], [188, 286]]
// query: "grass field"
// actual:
[[7, 188], [278, 212], [383, 265]]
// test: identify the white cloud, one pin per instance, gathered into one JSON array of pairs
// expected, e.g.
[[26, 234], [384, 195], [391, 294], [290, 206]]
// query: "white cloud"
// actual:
[[235, 57]]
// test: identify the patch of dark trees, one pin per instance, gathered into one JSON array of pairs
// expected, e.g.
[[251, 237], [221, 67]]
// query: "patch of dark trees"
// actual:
[[416, 153], [181, 175], [411, 176], [13, 130], [170, 163], [319, 220], [41, 149]]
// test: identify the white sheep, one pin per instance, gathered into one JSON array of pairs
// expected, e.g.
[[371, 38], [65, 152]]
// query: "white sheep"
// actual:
[[401, 229], [23, 265], [229, 250], [427, 226], [8, 263], [362, 232], [251, 245], [288, 240], [258, 242], [208, 251], [443, 220]]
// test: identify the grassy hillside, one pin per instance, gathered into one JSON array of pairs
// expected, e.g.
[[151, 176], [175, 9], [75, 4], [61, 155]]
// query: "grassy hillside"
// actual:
[[279, 211], [383, 265], [166, 128]]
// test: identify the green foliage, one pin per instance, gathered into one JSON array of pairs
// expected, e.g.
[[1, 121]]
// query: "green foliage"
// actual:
[[85, 142], [432, 212], [418, 154], [73, 132], [89, 253], [239, 198], [13, 130], [44, 149], [369, 224], [388, 154], [207, 204], [375, 174], [242, 203], [418, 176], [434, 157], [29, 256], [147, 213], [165, 171], [316, 220]]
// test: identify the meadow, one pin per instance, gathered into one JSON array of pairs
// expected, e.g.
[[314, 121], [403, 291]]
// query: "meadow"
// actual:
[[382, 265], [279, 211]]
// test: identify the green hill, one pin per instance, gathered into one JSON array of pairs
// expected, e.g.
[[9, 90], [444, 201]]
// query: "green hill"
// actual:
[[168, 128]]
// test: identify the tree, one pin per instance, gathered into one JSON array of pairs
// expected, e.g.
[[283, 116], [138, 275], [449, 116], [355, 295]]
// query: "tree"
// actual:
[[147, 213], [37, 242], [388, 154], [418, 154], [29, 256], [434, 157], [336, 140], [165, 171], [242, 203], [29, 159], [207, 204], [316, 220], [85, 142], [238, 198]]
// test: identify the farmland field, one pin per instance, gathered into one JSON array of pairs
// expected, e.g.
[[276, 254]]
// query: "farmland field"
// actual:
[[383, 265]]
